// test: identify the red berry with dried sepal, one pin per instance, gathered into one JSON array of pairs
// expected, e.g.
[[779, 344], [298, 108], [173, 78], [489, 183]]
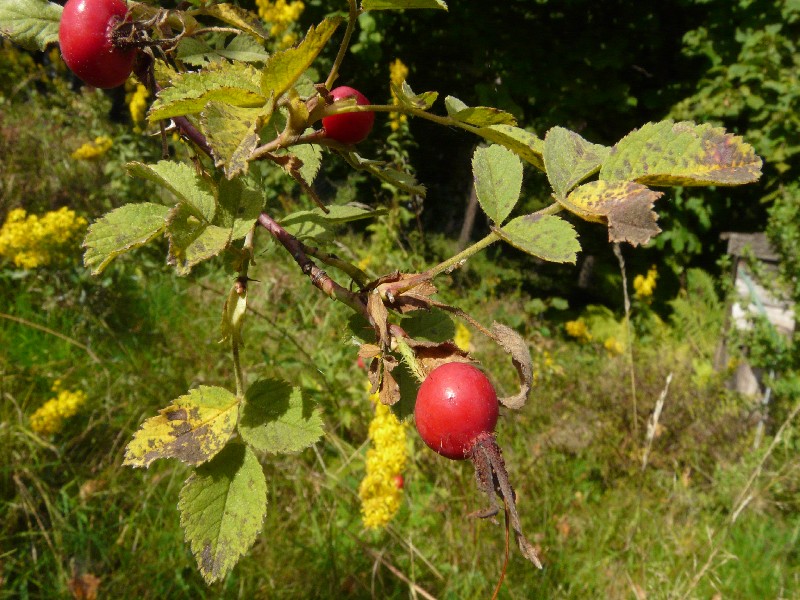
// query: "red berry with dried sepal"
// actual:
[[87, 45], [456, 405]]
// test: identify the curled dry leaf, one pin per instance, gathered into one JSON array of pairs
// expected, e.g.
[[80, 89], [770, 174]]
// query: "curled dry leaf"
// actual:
[[515, 345]]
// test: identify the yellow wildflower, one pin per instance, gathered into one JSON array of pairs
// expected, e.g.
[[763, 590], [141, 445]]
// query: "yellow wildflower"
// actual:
[[31, 241], [280, 14], [137, 105], [50, 417], [579, 330], [398, 72], [364, 262], [93, 150], [613, 346], [643, 286], [379, 491], [462, 337]]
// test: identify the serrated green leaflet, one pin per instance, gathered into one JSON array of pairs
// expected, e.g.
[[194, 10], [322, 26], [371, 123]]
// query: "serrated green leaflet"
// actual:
[[433, 325], [192, 241], [240, 203], [316, 224], [120, 230], [478, 116], [569, 159], [521, 142], [243, 48], [222, 508], [402, 4], [394, 177], [626, 206], [232, 133], [547, 237], [33, 24], [669, 153], [285, 67], [193, 429], [236, 16], [498, 181], [230, 83], [193, 192], [276, 418], [311, 157]]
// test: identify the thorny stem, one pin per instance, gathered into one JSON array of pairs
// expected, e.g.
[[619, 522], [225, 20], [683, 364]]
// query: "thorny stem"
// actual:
[[361, 279], [318, 277], [352, 15]]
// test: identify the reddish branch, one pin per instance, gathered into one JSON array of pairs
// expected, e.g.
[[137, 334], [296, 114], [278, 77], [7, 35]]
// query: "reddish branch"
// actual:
[[318, 277]]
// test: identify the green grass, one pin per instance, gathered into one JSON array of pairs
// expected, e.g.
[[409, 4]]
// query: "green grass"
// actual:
[[605, 527]]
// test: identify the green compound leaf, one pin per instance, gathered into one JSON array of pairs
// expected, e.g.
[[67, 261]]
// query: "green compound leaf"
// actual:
[[32, 24], [232, 133], [311, 157], [626, 206], [498, 180], [120, 230], [529, 147], [569, 159], [192, 241], [547, 237], [683, 153], [401, 4], [236, 84], [222, 506], [193, 429], [284, 68], [478, 116], [276, 418], [236, 16], [193, 192]]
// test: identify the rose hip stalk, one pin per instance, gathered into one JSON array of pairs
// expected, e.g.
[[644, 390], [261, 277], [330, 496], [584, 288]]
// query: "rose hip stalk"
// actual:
[[455, 414]]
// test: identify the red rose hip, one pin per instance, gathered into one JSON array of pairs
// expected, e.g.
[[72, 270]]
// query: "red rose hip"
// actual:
[[86, 45], [456, 404], [348, 128]]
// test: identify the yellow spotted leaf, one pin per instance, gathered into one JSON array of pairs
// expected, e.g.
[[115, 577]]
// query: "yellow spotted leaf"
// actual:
[[625, 206], [192, 429], [683, 153]]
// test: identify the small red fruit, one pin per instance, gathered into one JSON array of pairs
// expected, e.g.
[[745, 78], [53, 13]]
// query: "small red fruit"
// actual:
[[86, 45], [456, 404], [348, 128], [399, 482]]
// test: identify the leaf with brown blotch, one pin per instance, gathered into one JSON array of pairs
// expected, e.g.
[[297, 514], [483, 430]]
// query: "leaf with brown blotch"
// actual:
[[368, 351], [429, 355], [626, 206], [683, 153], [514, 345]]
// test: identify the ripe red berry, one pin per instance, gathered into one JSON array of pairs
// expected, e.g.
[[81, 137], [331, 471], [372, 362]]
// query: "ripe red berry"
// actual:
[[455, 405], [399, 482], [348, 128], [86, 45]]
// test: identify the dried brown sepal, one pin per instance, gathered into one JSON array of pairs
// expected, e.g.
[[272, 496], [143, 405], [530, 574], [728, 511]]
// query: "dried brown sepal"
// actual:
[[368, 351], [417, 297], [492, 478], [379, 318], [389, 392]]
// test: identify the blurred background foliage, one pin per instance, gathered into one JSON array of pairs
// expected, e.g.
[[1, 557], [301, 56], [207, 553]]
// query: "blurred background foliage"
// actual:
[[85, 359]]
